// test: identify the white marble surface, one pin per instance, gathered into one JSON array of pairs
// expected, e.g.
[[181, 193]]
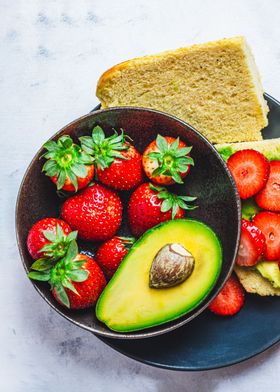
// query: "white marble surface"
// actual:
[[52, 53]]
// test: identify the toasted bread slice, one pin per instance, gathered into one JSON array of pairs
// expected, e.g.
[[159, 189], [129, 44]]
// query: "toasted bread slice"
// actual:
[[253, 282], [269, 147], [215, 87]]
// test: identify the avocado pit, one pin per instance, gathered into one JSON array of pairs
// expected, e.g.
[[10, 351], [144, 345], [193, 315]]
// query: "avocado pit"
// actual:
[[172, 265]]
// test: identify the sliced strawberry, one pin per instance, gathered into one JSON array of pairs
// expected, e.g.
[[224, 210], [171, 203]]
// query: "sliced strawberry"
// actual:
[[230, 300], [269, 196], [250, 170], [252, 245], [269, 224]]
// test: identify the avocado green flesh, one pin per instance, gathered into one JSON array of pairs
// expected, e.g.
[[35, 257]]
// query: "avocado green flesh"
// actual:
[[249, 208], [270, 270], [129, 304]]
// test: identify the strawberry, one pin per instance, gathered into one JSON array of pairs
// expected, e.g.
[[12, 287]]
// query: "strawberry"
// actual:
[[269, 196], [166, 160], [250, 170], [96, 212], [252, 245], [230, 300], [110, 254], [118, 163], [68, 166], [76, 280], [49, 238], [150, 205], [269, 224]]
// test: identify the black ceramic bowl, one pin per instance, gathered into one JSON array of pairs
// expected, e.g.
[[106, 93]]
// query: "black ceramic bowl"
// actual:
[[209, 180]]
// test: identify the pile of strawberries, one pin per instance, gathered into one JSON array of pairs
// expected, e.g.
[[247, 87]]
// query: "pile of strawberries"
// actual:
[[259, 179], [91, 173]]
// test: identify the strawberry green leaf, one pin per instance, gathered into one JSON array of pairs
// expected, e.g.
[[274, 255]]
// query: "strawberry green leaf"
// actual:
[[161, 143], [175, 208], [39, 275], [59, 232], [116, 154], [78, 275], [154, 155], [188, 198], [42, 264], [79, 170], [67, 284], [163, 195], [72, 236], [50, 167], [61, 179], [72, 250], [158, 171], [49, 235], [175, 145], [157, 188], [76, 264], [65, 141], [62, 295], [98, 135], [73, 179], [51, 146], [166, 205], [183, 151], [176, 177]]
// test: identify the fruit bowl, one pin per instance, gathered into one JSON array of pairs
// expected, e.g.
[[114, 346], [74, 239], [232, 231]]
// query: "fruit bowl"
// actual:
[[209, 180]]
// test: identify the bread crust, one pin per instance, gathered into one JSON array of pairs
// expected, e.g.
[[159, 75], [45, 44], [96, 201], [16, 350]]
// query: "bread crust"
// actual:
[[109, 73], [215, 87], [254, 283]]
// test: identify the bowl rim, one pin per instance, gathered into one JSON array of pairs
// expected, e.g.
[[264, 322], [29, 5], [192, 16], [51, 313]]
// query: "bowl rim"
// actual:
[[147, 333]]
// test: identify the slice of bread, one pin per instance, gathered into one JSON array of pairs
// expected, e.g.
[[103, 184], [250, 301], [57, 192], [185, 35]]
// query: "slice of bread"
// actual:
[[215, 87], [253, 282], [269, 147]]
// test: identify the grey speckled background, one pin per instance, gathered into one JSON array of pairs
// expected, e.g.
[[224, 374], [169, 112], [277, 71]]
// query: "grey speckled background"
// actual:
[[52, 53]]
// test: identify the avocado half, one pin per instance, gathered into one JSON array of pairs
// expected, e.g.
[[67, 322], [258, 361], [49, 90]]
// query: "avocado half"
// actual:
[[129, 304]]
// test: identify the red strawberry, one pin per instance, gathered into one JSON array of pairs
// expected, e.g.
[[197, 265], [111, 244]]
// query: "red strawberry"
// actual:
[[230, 300], [49, 237], [118, 163], [166, 160], [96, 213], [269, 224], [252, 245], [150, 205], [76, 281], [250, 170], [269, 196], [110, 254], [69, 167]]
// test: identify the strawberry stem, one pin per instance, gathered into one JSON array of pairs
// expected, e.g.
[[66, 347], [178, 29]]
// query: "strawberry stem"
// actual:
[[171, 159], [172, 201], [65, 159], [104, 150], [61, 275]]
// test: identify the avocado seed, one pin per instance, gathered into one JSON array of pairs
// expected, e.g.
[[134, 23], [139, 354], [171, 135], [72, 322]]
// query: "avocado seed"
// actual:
[[172, 265]]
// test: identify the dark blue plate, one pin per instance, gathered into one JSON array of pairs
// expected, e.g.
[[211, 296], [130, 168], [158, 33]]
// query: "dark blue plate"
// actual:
[[210, 342]]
